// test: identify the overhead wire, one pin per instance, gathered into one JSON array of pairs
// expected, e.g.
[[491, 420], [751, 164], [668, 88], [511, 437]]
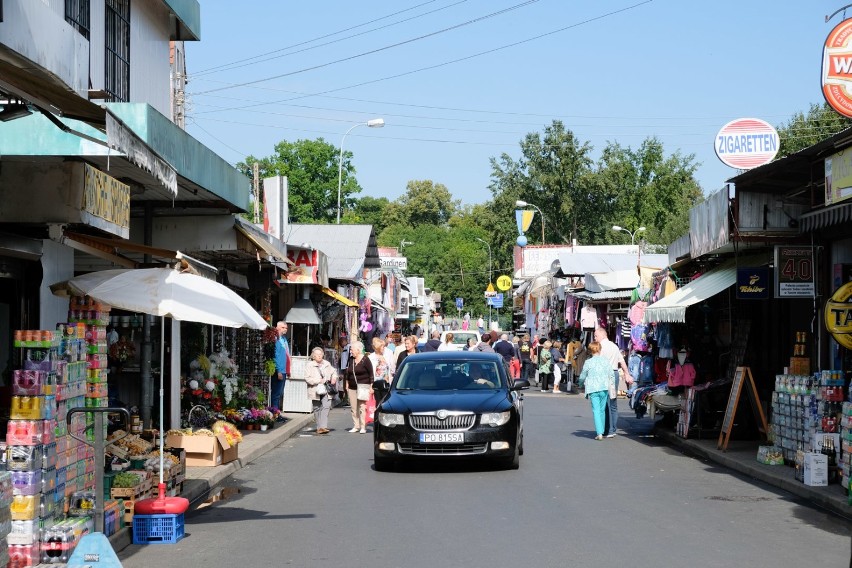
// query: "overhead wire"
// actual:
[[235, 65], [377, 50], [450, 62]]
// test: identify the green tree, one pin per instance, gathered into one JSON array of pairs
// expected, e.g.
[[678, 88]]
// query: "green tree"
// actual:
[[645, 188], [370, 211], [311, 167], [806, 129], [423, 203], [583, 200]]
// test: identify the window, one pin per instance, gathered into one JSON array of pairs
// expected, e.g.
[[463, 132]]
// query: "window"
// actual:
[[77, 14], [117, 68]]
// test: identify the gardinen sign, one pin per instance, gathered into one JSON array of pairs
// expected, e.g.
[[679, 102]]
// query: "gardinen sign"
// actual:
[[838, 315], [837, 68]]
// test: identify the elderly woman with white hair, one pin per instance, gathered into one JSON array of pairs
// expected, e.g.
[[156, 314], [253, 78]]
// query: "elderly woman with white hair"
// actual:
[[359, 371], [319, 374]]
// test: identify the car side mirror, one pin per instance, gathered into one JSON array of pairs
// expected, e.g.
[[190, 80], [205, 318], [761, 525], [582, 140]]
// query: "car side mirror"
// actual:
[[520, 384]]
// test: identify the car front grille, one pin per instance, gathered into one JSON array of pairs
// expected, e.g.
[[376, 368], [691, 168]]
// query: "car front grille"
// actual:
[[430, 422], [443, 449]]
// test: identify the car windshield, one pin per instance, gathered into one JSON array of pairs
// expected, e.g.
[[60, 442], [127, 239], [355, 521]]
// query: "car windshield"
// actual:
[[461, 338], [449, 375]]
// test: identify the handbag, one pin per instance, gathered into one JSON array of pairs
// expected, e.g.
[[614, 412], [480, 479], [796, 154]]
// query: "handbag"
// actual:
[[364, 392], [331, 389], [321, 389]]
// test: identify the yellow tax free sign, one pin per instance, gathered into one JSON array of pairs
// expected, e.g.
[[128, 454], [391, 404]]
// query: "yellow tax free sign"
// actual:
[[838, 315]]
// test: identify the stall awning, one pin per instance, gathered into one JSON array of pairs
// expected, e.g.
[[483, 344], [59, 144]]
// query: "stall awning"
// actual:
[[672, 308], [602, 296], [339, 297], [827, 217], [259, 241], [615, 280]]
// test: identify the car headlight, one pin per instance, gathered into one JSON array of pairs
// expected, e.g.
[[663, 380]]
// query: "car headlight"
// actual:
[[390, 419], [495, 418]]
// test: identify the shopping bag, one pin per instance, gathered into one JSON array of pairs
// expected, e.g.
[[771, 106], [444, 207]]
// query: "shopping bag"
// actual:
[[371, 409]]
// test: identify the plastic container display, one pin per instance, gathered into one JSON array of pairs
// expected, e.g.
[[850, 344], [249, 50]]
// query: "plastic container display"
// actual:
[[23, 532], [24, 458], [157, 529], [23, 555], [28, 383], [27, 408], [26, 482], [25, 507]]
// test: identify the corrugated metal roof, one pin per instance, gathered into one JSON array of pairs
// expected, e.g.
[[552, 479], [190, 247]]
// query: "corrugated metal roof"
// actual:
[[578, 264], [349, 248]]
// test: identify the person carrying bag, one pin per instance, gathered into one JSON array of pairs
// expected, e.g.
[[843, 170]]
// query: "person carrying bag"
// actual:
[[359, 385]]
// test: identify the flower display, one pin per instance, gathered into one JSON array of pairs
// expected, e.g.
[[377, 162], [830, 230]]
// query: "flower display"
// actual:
[[122, 350]]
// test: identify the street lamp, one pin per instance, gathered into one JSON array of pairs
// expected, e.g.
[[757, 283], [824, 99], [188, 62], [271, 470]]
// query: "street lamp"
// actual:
[[489, 275], [522, 203], [373, 123], [629, 232]]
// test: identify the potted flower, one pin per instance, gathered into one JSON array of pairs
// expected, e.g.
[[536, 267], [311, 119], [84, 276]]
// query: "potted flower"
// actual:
[[266, 419]]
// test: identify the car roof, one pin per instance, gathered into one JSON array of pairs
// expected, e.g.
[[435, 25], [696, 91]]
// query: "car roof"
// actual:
[[454, 356]]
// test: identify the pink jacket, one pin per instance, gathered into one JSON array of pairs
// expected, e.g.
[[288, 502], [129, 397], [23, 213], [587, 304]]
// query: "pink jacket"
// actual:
[[682, 375]]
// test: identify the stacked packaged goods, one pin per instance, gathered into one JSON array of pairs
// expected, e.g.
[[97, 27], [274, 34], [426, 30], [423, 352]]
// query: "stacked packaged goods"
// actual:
[[806, 419], [845, 450]]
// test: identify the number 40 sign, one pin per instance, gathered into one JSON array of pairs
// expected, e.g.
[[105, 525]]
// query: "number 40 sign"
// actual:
[[794, 272]]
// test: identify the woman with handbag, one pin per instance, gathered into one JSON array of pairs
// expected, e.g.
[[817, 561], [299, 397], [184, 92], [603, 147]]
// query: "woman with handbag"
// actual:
[[359, 384], [321, 377]]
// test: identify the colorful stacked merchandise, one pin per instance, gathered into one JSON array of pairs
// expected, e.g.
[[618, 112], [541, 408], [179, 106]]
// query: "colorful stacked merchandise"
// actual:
[[824, 431], [6, 496], [794, 412], [31, 447], [845, 451]]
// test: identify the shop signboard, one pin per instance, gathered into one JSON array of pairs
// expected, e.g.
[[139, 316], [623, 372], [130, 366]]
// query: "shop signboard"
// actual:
[[306, 267], [106, 202], [504, 282], [753, 284], [838, 315], [746, 143], [398, 262], [837, 68], [794, 272], [838, 177]]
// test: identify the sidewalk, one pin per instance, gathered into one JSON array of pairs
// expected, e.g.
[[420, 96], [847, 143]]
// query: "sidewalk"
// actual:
[[200, 480], [742, 457]]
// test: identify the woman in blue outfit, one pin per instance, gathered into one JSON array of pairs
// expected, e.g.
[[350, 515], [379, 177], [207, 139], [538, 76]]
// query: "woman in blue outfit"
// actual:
[[597, 377]]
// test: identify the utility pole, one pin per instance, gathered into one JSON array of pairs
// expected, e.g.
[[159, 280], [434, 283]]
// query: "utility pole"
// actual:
[[255, 167]]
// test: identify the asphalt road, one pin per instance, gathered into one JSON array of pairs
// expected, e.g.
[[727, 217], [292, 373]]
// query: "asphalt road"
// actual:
[[627, 501]]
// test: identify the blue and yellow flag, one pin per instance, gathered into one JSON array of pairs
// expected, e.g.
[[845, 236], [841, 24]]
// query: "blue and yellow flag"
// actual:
[[524, 218]]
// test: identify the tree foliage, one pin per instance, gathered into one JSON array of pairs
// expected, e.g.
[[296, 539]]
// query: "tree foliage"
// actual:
[[311, 167], [423, 203], [806, 129], [626, 187]]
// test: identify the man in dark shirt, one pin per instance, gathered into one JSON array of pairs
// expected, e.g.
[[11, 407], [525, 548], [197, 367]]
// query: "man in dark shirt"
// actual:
[[505, 348], [525, 348], [432, 344]]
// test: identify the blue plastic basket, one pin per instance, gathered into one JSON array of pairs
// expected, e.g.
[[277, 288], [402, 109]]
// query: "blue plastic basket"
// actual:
[[157, 529]]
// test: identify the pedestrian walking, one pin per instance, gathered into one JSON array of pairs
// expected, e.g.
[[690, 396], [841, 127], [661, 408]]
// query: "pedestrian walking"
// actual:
[[410, 344], [480, 325], [612, 353], [471, 343], [558, 364], [359, 372], [319, 372], [597, 378], [447, 345], [525, 353], [545, 365]]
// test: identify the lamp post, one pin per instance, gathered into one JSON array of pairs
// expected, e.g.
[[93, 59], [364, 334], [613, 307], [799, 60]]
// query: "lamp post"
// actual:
[[489, 276], [522, 203], [629, 232], [373, 123]]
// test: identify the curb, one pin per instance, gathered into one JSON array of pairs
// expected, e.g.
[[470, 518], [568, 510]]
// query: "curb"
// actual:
[[209, 477], [782, 478]]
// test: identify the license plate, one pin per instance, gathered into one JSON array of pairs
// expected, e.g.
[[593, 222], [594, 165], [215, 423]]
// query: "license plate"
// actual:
[[442, 438]]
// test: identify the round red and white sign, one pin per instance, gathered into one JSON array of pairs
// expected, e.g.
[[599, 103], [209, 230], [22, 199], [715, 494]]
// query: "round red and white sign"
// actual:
[[746, 143], [837, 68]]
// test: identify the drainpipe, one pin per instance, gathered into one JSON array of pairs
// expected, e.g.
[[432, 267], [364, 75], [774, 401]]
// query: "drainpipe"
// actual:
[[146, 354]]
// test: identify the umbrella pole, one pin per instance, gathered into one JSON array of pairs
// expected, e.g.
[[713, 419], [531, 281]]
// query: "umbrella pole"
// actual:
[[162, 368]]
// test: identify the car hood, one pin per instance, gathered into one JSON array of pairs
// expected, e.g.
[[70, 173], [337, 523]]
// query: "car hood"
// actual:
[[477, 402]]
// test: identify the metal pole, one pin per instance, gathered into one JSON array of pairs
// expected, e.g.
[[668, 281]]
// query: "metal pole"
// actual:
[[340, 169]]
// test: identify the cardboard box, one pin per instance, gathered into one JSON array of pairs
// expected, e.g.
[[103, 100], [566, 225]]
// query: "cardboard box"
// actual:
[[816, 469], [204, 451]]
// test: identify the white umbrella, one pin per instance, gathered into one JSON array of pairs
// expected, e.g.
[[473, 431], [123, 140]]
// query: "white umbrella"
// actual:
[[168, 292]]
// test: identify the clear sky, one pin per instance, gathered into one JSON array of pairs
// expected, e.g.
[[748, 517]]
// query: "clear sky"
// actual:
[[611, 70]]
